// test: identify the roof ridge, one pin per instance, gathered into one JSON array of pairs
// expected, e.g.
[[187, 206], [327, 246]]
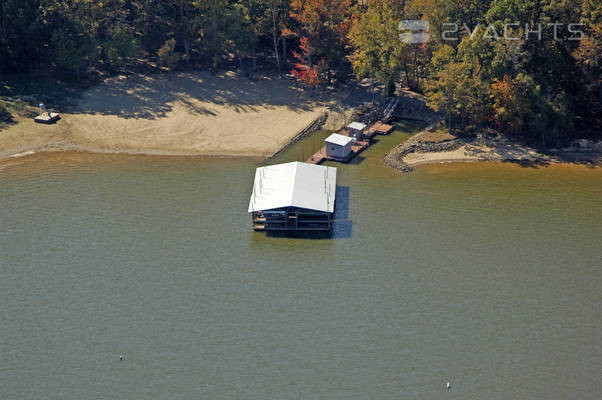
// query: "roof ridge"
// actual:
[[294, 183]]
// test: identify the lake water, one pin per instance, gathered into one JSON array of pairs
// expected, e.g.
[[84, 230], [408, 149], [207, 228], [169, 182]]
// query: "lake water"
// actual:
[[484, 275]]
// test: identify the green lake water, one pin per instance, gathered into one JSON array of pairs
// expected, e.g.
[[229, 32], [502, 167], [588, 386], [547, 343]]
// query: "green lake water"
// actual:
[[484, 275]]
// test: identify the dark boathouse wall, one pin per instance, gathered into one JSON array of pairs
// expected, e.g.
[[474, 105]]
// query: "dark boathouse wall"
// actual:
[[291, 219]]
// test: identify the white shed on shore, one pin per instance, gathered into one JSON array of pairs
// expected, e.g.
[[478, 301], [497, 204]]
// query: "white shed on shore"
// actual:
[[356, 130], [338, 146], [293, 196]]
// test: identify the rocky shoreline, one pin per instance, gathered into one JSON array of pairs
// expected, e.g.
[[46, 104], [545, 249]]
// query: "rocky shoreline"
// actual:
[[428, 147]]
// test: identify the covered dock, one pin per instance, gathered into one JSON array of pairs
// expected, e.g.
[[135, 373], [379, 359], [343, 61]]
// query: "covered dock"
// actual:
[[293, 196]]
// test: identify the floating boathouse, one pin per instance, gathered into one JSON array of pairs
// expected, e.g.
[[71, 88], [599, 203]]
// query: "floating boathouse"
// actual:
[[338, 146], [356, 130], [294, 196]]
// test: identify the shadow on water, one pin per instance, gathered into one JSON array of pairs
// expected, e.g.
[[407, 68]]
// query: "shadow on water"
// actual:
[[342, 227], [536, 164], [341, 210], [357, 159], [342, 230]]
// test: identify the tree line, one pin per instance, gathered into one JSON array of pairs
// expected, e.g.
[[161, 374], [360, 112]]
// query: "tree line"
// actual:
[[523, 67]]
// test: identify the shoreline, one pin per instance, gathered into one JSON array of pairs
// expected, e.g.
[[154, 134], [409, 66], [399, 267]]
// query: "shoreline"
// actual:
[[427, 147], [189, 114], [404, 157], [66, 147], [226, 115], [78, 149]]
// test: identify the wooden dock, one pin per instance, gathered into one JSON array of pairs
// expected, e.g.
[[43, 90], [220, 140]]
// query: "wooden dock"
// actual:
[[380, 128]]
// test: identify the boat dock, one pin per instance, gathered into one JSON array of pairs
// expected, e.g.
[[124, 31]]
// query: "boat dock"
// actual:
[[293, 196], [380, 128], [357, 146], [321, 156]]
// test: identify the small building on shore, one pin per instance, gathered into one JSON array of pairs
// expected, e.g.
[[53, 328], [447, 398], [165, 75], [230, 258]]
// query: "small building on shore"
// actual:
[[338, 146], [356, 130], [293, 196]]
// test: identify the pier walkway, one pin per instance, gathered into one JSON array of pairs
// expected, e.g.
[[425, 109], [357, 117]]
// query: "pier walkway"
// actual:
[[379, 128]]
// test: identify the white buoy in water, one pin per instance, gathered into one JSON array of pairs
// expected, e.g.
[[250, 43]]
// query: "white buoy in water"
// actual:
[[448, 385], [121, 357]]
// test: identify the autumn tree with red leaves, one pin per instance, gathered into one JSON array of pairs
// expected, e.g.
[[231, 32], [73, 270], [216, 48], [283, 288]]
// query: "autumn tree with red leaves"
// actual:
[[310, 74], [322, 28]]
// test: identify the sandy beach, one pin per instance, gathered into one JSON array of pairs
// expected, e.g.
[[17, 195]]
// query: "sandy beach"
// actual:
[[430, 147], [470, 152], [190, 114]]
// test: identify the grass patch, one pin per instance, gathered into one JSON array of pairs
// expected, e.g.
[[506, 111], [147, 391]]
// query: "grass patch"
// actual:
[[14, 107], [5, 115], [436, 137]]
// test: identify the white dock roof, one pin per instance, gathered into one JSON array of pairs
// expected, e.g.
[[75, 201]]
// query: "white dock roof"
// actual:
[[294, 184], [340, 140], [357, 125]]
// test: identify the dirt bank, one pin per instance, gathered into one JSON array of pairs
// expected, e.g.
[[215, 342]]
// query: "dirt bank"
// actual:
[[430, 147]]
